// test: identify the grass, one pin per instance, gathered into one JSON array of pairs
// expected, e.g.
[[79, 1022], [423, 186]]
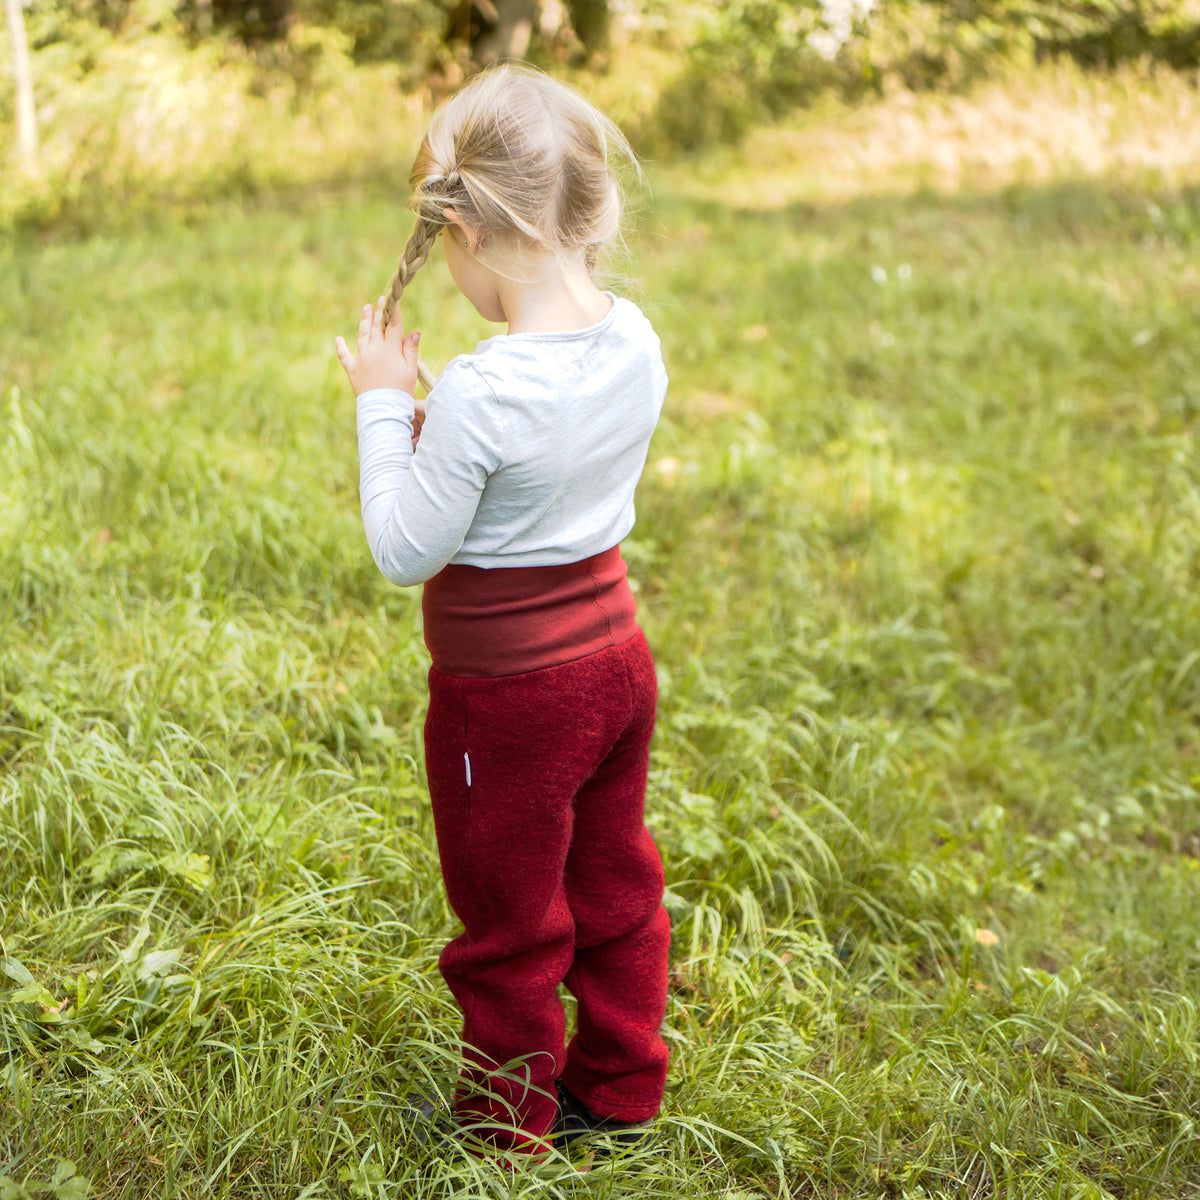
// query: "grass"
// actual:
[[918, 556]]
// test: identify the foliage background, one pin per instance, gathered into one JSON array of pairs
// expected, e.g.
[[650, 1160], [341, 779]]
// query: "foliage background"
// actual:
[[145, 103]]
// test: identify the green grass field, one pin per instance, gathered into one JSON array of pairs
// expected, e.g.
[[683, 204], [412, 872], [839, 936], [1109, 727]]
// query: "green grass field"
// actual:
[[919, 555]]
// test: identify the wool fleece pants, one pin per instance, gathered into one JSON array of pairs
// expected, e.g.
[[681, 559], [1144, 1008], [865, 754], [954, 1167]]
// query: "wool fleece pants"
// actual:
[[538, 784]]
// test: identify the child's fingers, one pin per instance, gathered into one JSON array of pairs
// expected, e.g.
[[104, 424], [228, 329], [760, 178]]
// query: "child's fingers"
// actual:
[[364, 326], [343, 352]]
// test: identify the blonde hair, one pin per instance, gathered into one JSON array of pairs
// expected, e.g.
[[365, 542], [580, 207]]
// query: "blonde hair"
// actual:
[[523, 157]]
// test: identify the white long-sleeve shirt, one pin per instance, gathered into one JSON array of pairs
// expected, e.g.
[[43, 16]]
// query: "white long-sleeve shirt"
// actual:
[[529, 456]]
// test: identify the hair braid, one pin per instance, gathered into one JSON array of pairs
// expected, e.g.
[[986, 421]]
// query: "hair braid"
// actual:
[[416, 252], [411, 261]]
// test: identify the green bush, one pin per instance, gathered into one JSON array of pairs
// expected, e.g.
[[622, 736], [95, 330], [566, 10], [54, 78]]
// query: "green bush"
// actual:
[[406, 33], [931, 43], [142, 117], [1107, 32], [746, 61]]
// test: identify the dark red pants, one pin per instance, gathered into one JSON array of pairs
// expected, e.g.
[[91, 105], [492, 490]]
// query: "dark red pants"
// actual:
[[538, 785]]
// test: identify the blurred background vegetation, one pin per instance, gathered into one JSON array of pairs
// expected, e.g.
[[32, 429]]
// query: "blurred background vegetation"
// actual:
[[140, 103]]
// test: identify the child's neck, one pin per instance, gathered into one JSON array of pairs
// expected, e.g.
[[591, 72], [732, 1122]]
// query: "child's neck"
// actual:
[[553, 297]]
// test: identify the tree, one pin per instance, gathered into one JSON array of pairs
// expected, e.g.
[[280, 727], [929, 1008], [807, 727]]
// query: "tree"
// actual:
[[505, 30], [500, 29], [592, 21], [27, 134]]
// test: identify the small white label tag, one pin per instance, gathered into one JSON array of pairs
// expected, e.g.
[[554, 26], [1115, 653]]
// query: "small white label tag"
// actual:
[[467, 763]]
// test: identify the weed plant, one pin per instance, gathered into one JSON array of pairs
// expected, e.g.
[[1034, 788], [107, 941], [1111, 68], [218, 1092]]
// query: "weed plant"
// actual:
[[918, 553]]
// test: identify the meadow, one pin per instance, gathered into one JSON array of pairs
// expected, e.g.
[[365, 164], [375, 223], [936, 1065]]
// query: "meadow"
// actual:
[[918, 553]]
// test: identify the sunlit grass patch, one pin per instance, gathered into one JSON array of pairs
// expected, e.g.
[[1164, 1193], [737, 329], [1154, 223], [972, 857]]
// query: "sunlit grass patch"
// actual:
[[1132, 126]]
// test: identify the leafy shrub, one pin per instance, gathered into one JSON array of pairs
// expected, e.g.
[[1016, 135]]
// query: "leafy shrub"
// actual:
[[406, 33], [931, 43], [746, 61], [141, 117], [749, 60], [1106, 32]]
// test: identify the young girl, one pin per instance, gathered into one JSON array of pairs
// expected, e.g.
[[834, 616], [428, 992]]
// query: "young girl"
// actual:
[[507, 499]]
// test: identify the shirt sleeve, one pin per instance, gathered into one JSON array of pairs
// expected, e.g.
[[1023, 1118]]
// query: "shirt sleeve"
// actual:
[[417, 507]]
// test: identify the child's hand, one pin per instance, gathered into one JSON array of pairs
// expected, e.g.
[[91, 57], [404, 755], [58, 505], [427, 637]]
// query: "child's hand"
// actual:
[[385, 359]]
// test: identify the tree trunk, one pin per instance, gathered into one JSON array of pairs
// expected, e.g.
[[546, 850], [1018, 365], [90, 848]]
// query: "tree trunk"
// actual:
[[27, 135], [509, 37], [592, 22]]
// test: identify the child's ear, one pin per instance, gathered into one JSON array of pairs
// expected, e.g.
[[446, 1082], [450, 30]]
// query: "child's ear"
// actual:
[[468, 237]]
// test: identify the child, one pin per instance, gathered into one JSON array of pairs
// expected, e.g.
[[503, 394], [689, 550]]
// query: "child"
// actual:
[[507, 499]]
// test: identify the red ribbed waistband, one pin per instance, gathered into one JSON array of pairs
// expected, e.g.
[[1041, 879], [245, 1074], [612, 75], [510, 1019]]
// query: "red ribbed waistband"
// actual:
[[507, 620]]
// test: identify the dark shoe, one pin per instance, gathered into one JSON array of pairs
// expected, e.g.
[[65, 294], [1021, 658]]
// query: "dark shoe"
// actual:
[[577, 1121], [428, 1123]]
